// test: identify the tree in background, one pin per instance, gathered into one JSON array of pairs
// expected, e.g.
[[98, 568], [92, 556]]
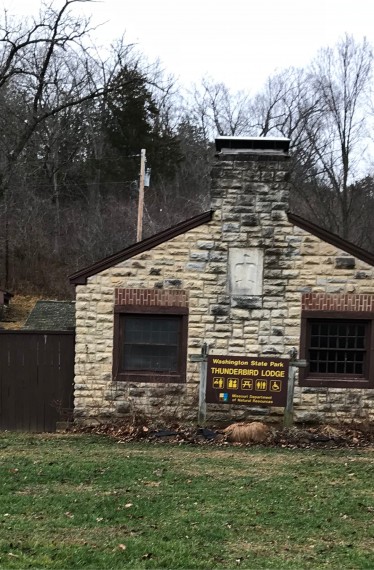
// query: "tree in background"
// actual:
[[45, 69], [217, 111], [133, 122], [72, 124], [339, 81], [324, 111]]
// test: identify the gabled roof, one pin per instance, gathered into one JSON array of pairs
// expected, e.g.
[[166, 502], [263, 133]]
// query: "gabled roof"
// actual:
[[331, 238], [52, 316], [80, 277]]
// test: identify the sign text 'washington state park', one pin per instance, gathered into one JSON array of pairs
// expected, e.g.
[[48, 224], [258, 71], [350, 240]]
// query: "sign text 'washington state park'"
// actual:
[[247, 380]]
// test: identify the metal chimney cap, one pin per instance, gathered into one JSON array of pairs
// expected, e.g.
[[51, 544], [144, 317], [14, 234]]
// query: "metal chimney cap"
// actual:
[[252, 144]]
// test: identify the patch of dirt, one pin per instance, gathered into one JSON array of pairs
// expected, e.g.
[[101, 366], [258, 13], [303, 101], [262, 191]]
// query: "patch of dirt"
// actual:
[[317, 437], [15, 315]]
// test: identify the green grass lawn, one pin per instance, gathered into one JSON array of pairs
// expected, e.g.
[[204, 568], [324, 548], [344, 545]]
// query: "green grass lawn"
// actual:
[[78, 501]]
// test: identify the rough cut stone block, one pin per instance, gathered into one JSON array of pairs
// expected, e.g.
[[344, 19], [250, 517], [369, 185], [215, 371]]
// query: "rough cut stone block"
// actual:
[[199, 255], [205, 244], [250, 220], [195, 266], [249, 302]]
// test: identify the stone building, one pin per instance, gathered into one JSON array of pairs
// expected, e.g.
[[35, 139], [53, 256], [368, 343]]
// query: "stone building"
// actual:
[[246, 278]]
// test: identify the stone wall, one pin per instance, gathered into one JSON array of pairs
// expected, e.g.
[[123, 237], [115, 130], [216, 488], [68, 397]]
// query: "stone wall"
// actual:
[[249, 196]]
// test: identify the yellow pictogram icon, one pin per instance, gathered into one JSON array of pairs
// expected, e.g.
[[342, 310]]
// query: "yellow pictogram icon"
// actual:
[[232, 383], [275, 385], [261, 385], [247, 384], [218, 383]]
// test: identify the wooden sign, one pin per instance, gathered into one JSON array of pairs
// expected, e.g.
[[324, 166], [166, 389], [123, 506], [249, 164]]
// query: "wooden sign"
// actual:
[[242, 380]]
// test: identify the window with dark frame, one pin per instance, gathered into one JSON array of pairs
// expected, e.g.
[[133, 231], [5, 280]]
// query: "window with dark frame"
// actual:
[[338, 349], [150, 344]]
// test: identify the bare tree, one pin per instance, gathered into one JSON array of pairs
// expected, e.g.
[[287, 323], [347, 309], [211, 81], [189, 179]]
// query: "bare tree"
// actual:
[[46, 67], [339, 81], [322, 109], [217, 111]]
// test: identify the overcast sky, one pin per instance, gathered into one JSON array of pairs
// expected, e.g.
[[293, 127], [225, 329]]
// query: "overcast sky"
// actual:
[[238, 42]]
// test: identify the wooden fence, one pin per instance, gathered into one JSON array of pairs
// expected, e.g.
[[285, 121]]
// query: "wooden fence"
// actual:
[[36, 379]]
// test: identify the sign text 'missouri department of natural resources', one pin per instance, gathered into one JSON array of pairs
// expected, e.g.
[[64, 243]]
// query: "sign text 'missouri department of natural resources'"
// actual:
[[247, 380]]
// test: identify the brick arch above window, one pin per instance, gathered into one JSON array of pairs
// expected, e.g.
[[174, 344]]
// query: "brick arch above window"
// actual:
[[338, 302], [151, 297]]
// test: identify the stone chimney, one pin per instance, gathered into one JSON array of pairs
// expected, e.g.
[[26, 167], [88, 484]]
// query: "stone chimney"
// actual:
[[250, 197], [249, 187]]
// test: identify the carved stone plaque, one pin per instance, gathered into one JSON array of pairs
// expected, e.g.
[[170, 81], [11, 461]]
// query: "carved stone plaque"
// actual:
[[245, 271]]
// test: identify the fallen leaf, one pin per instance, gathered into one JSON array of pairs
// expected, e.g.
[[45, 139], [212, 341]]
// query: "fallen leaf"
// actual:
[[128, 505]]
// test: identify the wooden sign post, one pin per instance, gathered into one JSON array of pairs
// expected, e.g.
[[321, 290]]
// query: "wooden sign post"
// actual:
[[202, 359], [288, 411]]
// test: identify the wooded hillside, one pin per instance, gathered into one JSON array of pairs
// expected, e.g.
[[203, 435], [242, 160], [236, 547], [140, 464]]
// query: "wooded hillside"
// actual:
[[73, 122]]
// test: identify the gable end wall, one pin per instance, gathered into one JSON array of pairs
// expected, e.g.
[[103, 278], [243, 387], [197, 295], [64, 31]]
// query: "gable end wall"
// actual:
[[250, 203], [197, 262]]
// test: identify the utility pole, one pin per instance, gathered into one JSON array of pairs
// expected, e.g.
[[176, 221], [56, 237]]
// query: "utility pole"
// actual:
[[139, 231]]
